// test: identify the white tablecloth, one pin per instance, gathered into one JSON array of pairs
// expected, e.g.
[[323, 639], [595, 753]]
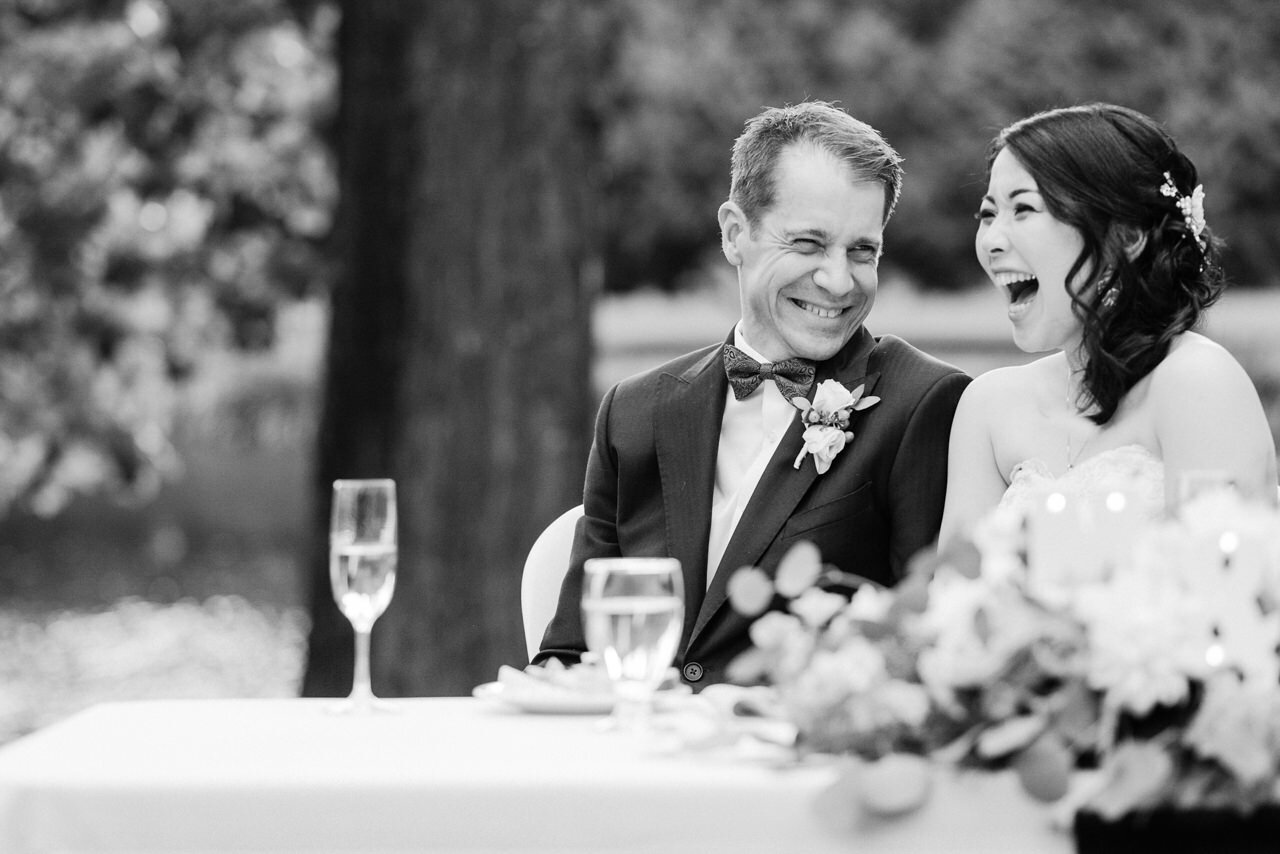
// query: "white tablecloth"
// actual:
[[441, 775]]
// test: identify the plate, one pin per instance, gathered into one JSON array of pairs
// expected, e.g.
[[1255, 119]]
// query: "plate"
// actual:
[[552, 701]]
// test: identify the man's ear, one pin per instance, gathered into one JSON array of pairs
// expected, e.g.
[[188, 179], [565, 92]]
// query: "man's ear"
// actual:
[[733, 225]]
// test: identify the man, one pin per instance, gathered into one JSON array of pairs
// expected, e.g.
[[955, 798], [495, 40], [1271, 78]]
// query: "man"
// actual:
[[684, 465]]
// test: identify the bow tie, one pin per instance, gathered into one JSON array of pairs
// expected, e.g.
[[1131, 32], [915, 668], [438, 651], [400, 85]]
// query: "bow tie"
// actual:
[[793, 377]]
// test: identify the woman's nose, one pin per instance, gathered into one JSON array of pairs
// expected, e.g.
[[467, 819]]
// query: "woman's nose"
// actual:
[[991, 239]]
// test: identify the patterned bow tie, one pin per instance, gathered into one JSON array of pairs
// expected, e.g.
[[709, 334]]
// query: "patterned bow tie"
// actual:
[[793, 377]]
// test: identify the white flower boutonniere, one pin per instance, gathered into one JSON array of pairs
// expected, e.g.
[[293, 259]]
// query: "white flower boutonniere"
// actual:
[[826, 421]]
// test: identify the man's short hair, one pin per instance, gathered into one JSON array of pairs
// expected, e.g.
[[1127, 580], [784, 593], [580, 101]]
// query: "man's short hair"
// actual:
[[853, 142]]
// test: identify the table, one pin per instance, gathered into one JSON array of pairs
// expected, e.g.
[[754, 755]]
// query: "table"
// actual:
[[453, 774]]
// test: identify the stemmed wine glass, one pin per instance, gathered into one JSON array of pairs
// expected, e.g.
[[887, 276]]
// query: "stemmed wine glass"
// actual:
[[362, 568], [633, 613]]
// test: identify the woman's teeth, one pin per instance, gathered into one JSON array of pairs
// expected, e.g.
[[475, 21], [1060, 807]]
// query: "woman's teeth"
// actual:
[[1018, 285]]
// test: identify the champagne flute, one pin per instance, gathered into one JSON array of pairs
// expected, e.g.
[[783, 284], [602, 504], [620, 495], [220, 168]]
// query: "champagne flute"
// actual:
[[633, 614], [362, 568]]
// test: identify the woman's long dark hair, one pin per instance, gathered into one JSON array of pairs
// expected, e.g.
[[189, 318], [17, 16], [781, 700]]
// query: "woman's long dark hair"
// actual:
[[1099, 168]]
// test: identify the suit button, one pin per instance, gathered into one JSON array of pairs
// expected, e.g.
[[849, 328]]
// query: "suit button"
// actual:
[[693, 671]]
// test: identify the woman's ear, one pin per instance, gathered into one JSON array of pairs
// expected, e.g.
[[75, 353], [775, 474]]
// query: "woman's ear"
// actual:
[[733, 224], [1135, 240]]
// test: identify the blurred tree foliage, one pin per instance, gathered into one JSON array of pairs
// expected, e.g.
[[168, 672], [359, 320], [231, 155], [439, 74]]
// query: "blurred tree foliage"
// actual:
[[163, 186], [938, 78], [165, 182]]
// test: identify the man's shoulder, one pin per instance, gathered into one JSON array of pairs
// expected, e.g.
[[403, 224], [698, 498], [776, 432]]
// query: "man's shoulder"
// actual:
[[678, 368], [893, 355]]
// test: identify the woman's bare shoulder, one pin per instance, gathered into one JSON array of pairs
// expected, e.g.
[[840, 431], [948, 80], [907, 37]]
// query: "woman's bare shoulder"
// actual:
[[1016, 381], [1193, 360]]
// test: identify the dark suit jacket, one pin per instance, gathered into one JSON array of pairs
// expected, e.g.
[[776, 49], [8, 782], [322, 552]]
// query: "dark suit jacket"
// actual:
[[651, 474]]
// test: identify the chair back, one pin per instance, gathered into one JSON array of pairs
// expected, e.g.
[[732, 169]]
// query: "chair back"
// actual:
[[544, 570]]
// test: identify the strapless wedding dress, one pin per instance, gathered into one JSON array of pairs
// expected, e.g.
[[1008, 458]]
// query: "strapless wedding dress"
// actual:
[[1131, 468]]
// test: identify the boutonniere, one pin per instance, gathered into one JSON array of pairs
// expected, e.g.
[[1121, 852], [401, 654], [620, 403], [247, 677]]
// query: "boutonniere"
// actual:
[[826, 421]]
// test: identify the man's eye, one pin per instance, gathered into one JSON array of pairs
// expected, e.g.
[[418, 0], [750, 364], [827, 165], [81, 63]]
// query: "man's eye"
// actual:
[[863, 254], [807, 243]]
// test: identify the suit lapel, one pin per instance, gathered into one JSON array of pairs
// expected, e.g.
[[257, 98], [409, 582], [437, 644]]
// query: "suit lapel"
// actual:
[[782, 486], [687, 435]]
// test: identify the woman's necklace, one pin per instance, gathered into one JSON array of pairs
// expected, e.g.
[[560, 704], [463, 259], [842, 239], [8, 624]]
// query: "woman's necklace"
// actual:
[[1071, 408]]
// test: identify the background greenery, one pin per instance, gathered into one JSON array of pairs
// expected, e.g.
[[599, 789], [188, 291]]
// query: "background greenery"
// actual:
[[167, 193]]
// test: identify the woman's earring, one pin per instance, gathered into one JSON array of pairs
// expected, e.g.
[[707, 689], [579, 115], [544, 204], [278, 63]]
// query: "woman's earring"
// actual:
[[1109, 292]]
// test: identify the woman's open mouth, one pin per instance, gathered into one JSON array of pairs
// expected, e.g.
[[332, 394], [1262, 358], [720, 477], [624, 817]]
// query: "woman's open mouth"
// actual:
[[1021, 289]]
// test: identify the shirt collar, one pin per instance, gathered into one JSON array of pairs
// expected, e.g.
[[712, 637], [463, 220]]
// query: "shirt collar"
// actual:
[[740, 341]]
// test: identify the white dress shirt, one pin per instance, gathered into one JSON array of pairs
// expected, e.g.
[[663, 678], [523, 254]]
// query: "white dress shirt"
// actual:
[[749, 434]]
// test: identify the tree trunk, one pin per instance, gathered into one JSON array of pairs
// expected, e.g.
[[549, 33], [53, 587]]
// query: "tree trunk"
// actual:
[[459, 350]]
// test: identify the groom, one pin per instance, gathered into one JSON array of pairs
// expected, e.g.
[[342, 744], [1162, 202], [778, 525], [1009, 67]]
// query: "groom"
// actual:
[[690, 464]]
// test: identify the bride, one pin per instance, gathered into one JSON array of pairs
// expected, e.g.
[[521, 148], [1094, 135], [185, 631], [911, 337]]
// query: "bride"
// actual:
[[1093, 226]]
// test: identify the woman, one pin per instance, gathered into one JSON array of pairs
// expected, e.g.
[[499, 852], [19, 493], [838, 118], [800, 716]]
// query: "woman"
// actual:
[[1093, 227]]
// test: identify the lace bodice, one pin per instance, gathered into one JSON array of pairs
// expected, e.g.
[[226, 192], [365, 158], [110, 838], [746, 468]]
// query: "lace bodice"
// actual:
[[1132, 468]]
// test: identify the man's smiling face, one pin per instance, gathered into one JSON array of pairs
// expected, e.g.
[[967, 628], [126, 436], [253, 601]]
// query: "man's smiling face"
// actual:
[[808, 271]]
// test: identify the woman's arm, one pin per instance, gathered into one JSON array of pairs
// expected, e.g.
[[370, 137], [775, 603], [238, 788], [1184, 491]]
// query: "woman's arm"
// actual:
[[1207, 416], [974, 481]]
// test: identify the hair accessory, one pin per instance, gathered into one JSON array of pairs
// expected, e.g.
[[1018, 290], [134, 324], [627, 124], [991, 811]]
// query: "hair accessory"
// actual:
[[1192, 207]]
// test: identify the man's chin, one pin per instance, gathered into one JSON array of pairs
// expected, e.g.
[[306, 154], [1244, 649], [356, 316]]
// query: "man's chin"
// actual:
[[820, 348]]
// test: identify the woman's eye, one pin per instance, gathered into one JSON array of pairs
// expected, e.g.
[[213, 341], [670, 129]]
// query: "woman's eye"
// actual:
[[1022, 209], [984, 215]]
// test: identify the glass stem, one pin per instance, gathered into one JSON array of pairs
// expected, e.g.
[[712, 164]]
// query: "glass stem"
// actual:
[[361, 687]]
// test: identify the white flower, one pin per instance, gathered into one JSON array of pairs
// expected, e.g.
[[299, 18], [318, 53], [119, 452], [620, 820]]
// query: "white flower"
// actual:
[[1237, 725], [857, 665], [826, 419], [750, 591], [959, 663], [799, 569], [831, 396], [1247, 641], [823, 442], [1148, 641], [907, 703], [953, 602], [870, 603], [974, 627], [1193, 211], [815, 606], [774, 629], [998, 536]]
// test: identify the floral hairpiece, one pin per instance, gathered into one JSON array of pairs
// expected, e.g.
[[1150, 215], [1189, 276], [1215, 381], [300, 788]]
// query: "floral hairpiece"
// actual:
[[1192, 207]]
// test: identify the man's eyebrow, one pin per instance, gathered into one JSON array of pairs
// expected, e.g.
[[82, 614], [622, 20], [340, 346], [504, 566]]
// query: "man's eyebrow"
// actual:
[[824, 236], [807, 231]]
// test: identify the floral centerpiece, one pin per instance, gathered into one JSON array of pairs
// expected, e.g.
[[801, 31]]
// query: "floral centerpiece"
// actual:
[[1160, 673]]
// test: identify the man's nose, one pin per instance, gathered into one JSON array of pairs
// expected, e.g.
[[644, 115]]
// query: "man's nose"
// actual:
[[835, 274]]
